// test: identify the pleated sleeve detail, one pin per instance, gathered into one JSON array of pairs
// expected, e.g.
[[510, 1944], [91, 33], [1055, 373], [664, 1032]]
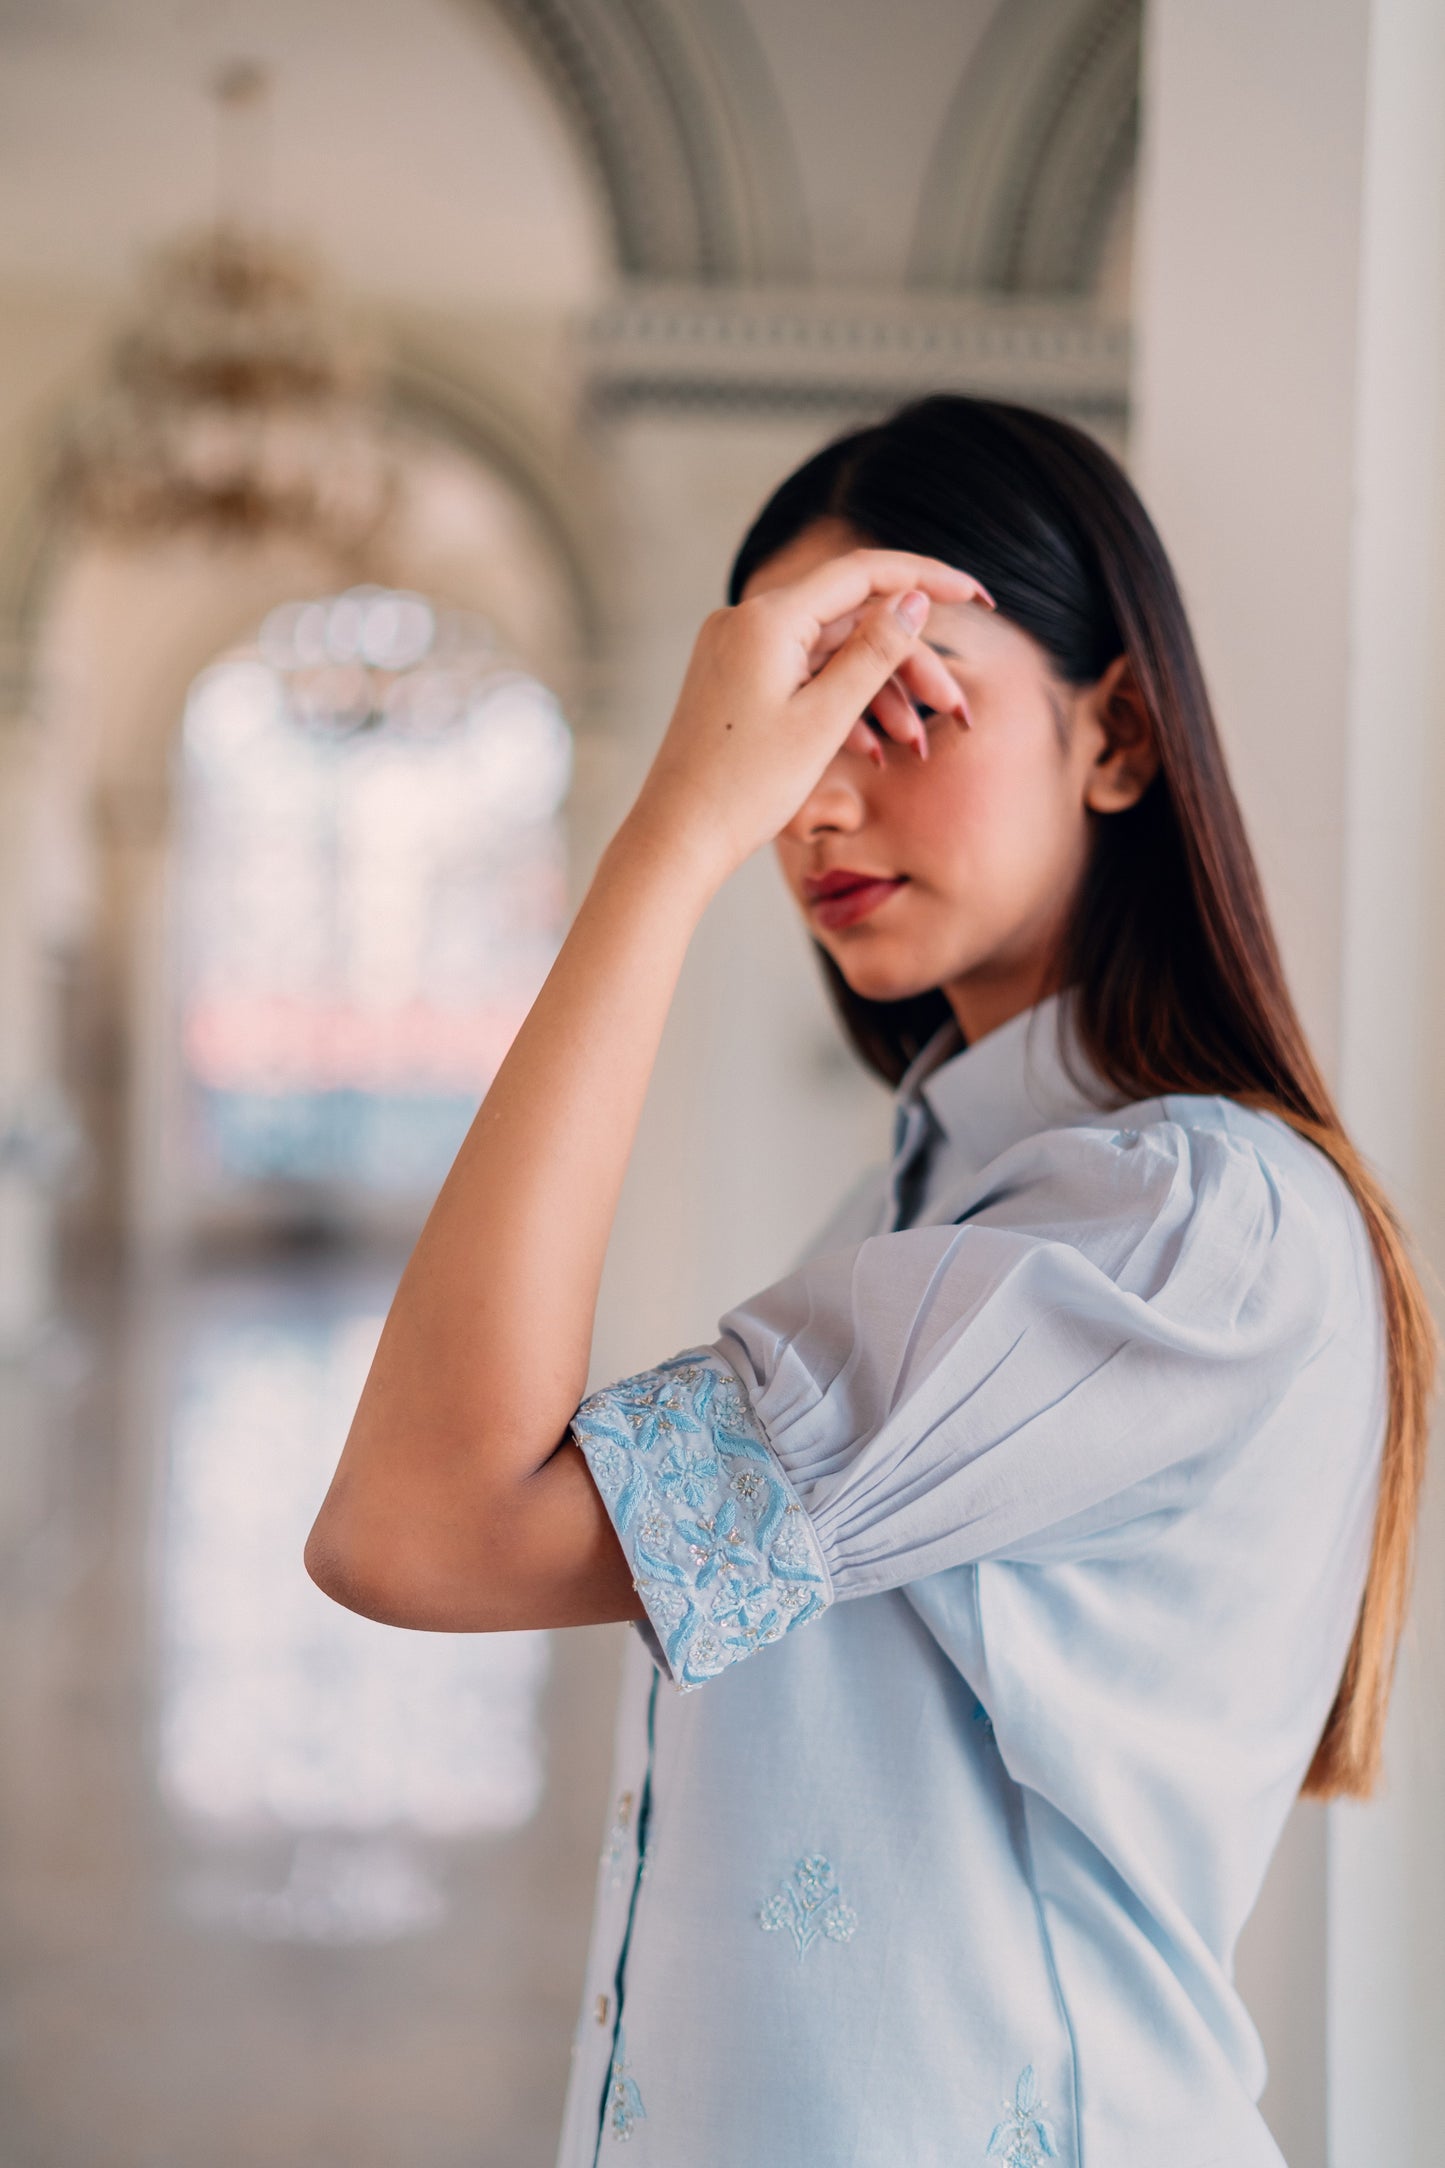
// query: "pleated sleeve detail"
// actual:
[[1116, 1314], [1125, 1309]]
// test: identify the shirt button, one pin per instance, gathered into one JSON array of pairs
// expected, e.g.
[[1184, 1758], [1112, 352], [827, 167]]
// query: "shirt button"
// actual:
[[603, 2007], [1126, 1138]]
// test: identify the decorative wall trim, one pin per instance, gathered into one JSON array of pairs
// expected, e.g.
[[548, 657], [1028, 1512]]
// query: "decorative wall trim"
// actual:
[[676, 108], [1033, 153], [674, 347]]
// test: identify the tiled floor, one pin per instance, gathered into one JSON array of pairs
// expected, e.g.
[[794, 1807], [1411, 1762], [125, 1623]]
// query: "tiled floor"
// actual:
[[276, 1886]]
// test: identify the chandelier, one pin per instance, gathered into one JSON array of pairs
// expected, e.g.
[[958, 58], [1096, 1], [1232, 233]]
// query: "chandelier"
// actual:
[[237, 401], [381, 658]]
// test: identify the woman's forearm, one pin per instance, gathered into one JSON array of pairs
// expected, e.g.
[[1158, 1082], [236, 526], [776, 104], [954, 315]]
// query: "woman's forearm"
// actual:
[[484, 1354], [493, 1322]]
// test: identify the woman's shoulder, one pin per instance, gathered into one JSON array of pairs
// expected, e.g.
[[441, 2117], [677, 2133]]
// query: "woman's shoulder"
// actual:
[[1190, 1134], [1309, 1184], [1228, 1172]]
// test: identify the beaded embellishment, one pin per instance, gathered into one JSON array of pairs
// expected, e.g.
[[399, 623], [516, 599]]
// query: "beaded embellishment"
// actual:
[[722, 1553], [809, 1904], [618, 1843], [1025, 2136], [624, 2102]]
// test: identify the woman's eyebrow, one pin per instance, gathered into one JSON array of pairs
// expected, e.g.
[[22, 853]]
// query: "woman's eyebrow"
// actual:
[[939, 649]]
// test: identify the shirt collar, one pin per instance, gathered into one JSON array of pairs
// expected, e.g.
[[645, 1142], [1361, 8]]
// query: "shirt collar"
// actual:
[[1007, 1085]]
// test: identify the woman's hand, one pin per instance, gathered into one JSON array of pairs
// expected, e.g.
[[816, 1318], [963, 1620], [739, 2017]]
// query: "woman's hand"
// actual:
[[779, 684]]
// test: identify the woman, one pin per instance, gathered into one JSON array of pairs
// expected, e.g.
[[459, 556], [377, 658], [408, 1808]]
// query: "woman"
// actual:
[[1048, 1528]]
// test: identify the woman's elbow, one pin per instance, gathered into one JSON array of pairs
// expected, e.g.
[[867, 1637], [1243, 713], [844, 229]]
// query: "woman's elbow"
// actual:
[[393, 1574], [348, 1571]]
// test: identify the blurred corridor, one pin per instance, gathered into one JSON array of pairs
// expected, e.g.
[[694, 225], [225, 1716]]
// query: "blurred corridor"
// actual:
[[279, 1885]]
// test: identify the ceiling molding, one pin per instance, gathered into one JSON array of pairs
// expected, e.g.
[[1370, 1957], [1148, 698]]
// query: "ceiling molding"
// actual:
[[849, 354], [675, 108], [1037, 144]]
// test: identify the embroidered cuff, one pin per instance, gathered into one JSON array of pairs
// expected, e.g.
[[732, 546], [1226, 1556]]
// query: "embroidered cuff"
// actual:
[[723, 1555]]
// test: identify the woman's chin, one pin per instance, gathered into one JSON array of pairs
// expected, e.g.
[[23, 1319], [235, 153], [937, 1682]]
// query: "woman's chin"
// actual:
[[873, 980]]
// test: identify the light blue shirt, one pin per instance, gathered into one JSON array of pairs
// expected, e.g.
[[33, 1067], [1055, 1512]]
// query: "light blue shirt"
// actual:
[[1013, 1545]]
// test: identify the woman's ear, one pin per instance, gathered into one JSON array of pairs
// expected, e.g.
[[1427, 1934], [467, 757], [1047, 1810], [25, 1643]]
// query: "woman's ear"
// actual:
[[1128, 757]]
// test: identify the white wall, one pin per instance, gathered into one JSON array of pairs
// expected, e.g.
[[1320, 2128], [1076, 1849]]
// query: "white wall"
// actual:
[[1288, 404]]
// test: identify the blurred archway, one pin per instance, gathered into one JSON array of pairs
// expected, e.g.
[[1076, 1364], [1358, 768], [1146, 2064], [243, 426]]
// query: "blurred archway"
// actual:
[[148, 698]]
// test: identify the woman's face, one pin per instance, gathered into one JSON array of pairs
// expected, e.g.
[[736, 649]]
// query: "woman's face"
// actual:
[[958, 872]]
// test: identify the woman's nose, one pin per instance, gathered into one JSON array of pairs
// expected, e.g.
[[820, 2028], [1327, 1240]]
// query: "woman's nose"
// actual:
[[834, 806]]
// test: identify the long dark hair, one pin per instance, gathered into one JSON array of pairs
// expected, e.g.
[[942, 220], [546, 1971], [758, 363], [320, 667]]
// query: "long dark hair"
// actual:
[[1179, 982]]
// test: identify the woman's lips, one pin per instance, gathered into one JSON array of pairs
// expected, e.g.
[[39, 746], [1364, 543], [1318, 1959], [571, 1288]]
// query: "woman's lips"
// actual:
[[842, 898]]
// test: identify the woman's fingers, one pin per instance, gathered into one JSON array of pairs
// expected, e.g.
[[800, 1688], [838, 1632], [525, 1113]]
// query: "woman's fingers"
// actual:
[[895, 713], [861, 739], [922, 675], [920, 681], [932, 684], [846, 583], [830, 639], [851, 681]]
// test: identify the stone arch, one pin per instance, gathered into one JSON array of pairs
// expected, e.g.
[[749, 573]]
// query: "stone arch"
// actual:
[[678, 112], [483, 422], [1037, 144], [92, 777], [480, 420]]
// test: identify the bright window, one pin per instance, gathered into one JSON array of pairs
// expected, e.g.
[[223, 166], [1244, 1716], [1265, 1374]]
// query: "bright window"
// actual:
[[372, 888]]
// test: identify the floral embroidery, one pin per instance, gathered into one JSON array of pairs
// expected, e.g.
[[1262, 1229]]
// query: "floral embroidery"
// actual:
[[1024, 2137], [624, 2109], [716, 1544], [618, 1842], [689, 1476], [792, 1544], [750, 1612], [654, 1530], [609, 1467], [809, 1904], [722, 1553], [667, 1606]]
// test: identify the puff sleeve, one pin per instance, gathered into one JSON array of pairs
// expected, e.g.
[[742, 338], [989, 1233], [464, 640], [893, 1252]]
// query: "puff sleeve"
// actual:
[[1116, 1310]]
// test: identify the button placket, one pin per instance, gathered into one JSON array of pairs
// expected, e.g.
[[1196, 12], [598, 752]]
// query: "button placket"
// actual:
[[610, 2008]]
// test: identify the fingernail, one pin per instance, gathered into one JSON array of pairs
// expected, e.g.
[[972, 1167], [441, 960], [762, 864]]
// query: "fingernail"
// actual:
[[920, 743], [985, 596], [913, 608]]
